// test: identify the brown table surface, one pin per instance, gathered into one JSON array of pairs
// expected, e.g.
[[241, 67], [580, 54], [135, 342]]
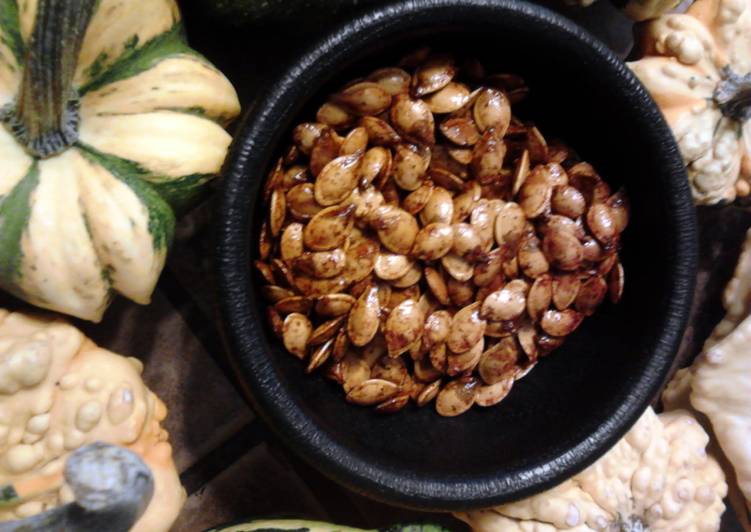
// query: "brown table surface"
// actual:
[[230, 463]]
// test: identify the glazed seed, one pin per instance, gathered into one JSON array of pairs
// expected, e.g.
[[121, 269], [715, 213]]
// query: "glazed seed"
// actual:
[[384, 295], [275, 322], [413, 120], [445, 179], [320, 355], [392, 80], [492, 394], [321, 264], [310, 286], [396, 228], [499, 362], [547, 343], [568, 201], [297, 304], [601, 221], [371, 392], [457, 364], [390, 369], [456, 397], [363, 318], [504, 304], [380, 132], [565, 290], [538, 148], [361, 258], [295, 175], [492, 110], [439, 208], [510, 224], [403, 326], [305, 136], [457, 267], [409, 279], [418, 199], [333, 115], [535, 193], [277, 212], [467, 328], [326, 331], [296, 333], [540, 297], [334, 305], [527, 338], [273, 293], [274, 180], [301, 201], [591, 294], [433, 75], [428, 393], [354, 371], [325, 150], [393, 405], [487, 159], [265, 243], [556, 223], [606, 264], [265, 270], [337, 180], [425, 372], [615, 282], [593, 252], [461, 155], [460, 131], [531, 258], [560, 323], [364, 98], [409, 167], [619, 208], [436, 328], [450, 98], [466, 241], [329, 228], [437, 285], [482, 218], [563, 250], [390, 266], [521, 171], [355, 142], [488, 268], [466, 201]]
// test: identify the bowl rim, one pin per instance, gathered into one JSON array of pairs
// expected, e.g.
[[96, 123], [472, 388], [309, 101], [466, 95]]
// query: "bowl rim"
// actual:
[[252, 147]]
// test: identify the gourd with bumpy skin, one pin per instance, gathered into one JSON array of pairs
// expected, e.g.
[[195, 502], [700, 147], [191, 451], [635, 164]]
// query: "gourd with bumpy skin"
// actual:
[[110, 125], [59, 392], [697, 66], [304, 525], [658, 478]]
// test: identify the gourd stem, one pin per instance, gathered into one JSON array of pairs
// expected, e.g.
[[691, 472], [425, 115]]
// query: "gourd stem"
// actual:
[[45, 118], [733, 95]]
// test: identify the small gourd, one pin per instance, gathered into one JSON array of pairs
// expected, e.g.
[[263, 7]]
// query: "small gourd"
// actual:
[[658, 477], [109, 126], [697, 66], [60, 392]]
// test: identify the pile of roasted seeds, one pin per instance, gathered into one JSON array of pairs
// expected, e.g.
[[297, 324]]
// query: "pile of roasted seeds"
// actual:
[[421, 243]]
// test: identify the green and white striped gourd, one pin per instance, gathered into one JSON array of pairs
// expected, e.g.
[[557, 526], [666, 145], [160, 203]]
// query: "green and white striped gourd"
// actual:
[[110, 125]]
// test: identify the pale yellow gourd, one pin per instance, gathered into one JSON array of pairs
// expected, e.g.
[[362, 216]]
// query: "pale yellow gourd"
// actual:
[[658, 478], [697, 66], [104, 140], [59, 392]]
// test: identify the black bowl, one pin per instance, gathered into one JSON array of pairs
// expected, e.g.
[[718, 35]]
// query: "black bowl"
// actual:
[[577, 402]]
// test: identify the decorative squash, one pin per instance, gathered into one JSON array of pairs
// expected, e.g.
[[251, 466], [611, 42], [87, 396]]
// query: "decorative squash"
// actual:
[[303, 525], [697, 66], [110, 124], [718, 383], [657, 478], [59, 392]]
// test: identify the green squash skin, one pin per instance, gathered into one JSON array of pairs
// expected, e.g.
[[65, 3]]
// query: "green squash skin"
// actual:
[[302, 525], [11, 36], [15, 210], [161, 216], [8, 496]]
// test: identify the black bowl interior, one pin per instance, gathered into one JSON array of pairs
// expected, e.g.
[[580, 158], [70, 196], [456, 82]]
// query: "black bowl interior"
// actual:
[[576, 402]]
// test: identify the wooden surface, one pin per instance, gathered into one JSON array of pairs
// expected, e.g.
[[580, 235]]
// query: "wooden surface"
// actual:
[[230, 463]]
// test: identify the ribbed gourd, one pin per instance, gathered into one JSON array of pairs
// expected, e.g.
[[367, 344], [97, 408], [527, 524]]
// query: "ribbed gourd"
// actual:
[[111, 126]]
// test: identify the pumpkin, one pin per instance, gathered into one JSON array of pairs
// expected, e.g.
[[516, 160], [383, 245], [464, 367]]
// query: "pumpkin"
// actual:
[[111, 125], [718, 383], [59, 392], [697, 66], [658, 477]]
